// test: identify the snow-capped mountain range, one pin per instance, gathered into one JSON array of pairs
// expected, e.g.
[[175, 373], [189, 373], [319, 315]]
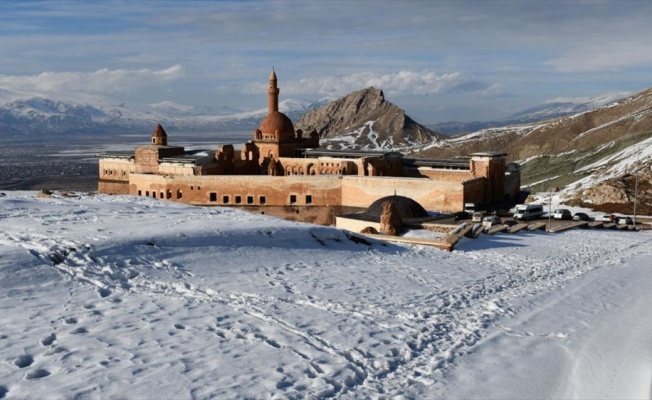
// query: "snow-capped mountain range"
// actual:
[[43, 115], [50, 113], [555, 108]]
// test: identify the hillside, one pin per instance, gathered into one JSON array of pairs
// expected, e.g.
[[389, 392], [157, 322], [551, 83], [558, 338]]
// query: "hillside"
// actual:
[[590, 146], [365, 120], [119, 296], [542, 112]]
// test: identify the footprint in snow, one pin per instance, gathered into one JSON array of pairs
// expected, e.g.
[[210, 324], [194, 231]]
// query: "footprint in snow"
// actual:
[[37, 374], [24, 361], [49, 339]]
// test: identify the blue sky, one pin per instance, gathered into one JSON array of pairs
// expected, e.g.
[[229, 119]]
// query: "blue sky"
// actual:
[[439, 60]]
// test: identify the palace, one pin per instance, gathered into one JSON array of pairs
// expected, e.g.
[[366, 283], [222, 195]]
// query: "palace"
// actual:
[[283, 172]]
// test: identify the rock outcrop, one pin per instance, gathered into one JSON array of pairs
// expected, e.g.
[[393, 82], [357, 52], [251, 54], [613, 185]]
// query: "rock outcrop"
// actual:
[[365, 120]]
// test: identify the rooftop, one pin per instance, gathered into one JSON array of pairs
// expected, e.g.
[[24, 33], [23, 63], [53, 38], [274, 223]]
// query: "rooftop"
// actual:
[[315, 153]]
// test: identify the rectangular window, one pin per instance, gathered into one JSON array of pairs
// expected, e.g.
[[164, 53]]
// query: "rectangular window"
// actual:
[[147, 193], [140, 193], [169, 194], [293, 199], [213, 196], [308, 199], [162, 195], [261, 199], [250, 199], [179, 194], [238, 199], [225, 199]]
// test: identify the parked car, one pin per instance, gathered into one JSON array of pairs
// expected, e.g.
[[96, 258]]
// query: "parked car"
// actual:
[[490, 221], [606, 218], [625, 221], [477, 216], [562, 213], [580, 216]]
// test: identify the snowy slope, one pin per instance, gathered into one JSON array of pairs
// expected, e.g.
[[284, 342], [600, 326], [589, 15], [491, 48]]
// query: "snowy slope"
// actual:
[[111, 296]]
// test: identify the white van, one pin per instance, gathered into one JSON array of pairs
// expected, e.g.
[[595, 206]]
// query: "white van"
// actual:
[[529, 211]]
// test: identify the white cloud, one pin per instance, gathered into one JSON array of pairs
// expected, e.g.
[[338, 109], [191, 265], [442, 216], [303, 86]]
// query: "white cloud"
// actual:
[[604, 57], [400, 83], [101, 81]]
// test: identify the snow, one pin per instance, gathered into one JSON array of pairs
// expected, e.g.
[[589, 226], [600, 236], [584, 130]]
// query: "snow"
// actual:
[[118, 296], [627, 161]]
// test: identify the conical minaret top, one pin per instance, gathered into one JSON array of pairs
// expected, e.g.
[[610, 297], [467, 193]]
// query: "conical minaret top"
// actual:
[[272, 93]]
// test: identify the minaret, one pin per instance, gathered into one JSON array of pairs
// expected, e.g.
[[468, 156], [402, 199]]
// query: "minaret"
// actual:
[[272, 93]]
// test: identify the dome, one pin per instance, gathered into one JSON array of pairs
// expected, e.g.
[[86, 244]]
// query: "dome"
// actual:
[[159, 131], [406, 207], [277, 121], [159, 137]]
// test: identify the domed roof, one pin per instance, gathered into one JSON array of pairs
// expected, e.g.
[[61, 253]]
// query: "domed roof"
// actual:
[[159, 131], [277, 121], [406, 207]]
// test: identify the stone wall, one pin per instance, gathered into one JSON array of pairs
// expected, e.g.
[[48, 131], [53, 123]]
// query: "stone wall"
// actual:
[[474, 192], [437, 195], [113, 187], [440, 173], [241, 190], [319, 190]]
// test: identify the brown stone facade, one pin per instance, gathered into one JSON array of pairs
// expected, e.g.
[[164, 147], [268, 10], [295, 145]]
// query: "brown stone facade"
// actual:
[[282, 171], [297, 190]]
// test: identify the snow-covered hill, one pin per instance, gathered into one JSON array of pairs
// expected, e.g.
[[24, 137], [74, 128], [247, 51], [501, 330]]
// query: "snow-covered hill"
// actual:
[[575, 153], [118, 296]]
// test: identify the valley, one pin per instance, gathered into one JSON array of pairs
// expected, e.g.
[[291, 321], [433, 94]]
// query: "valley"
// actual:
[[70, 162]]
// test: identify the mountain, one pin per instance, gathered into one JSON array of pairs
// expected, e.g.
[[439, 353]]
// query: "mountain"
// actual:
[[577, 153], [549, 110], [39, 115], [365, 120]]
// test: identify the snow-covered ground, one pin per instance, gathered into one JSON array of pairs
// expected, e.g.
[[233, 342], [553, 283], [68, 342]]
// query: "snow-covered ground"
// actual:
[[129, 297]]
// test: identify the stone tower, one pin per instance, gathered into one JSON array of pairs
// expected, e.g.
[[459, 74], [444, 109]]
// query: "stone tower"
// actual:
[[275, 136], [159, 137], [491, 166], [272, 94]]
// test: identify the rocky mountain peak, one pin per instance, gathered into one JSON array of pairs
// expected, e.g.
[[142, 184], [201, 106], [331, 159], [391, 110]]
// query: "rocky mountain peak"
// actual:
[[365, 120]]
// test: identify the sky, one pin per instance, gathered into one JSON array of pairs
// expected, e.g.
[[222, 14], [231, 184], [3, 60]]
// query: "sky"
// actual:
[[439, 60]]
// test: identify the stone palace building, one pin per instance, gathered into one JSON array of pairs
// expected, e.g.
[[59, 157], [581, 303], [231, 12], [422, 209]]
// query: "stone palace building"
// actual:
[[283, 172]]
